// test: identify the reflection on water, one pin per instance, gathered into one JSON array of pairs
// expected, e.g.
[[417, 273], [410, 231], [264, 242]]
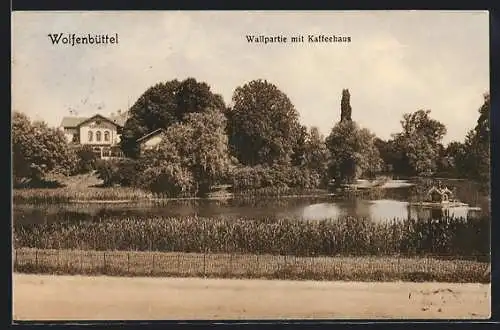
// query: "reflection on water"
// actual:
[[321, 211], [391, 205], [382, 210], [388, 209], [378, 210], [397, 184], [386, 185]]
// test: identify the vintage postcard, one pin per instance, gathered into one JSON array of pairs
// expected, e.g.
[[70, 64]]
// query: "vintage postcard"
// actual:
[[251, 165]]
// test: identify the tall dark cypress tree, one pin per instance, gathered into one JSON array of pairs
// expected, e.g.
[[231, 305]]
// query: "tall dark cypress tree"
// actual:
[[345, 106]]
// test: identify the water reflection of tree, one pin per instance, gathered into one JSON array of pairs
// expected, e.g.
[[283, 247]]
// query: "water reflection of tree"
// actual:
[[425, 213], [363, 209], [348, 207]]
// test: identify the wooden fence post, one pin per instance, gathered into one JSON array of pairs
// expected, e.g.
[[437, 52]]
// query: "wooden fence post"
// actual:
[[204, 262], [36, 258], [104, 261], [128, 262], [340, 269], [153, 270], [15, 259], [231, 264]]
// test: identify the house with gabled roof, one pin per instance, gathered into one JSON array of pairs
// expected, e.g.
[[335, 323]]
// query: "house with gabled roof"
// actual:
[[99, 132], [151, 140]]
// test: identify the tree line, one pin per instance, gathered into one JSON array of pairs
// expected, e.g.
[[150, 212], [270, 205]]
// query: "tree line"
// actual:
[[256, 142]]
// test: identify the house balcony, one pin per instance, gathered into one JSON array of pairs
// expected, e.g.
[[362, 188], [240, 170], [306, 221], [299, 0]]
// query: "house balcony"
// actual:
[[108, 152], [103, 151]]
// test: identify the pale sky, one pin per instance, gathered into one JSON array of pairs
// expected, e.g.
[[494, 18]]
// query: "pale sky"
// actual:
[[396, 62]]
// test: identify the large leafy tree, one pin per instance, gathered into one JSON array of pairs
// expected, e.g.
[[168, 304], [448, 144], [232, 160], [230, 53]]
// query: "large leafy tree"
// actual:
[[352, 151], [298, 157], [389, 154], [263, 124], [207, 152], [192, 157], [418, 143], [454, 159], [38, 149], [477, 145], [163, 105], [316, 152], [311, 153]]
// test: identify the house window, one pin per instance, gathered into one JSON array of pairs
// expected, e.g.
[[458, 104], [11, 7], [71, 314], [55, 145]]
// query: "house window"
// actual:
[[106, 136], [98, 136], [91, 136]]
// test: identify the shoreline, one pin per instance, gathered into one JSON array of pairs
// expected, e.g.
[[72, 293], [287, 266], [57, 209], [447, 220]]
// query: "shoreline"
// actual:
[[173, 199]]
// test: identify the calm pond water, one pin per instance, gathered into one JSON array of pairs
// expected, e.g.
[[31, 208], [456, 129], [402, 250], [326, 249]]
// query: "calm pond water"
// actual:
[[388, 204]]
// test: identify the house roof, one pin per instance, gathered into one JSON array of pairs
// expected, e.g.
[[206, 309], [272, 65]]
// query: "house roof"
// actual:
[[73, 122], [439, 191], [446, 190], [98, 116], [151, 134]]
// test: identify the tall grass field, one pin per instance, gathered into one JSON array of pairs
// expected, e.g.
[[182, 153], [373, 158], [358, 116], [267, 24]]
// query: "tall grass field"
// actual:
[[344, 236]]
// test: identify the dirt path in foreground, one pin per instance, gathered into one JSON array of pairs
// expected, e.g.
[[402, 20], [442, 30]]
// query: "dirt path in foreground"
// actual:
[[46, 297]]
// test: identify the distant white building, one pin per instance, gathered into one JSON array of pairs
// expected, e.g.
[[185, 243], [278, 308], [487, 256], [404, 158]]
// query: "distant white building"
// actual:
[[100, 132]]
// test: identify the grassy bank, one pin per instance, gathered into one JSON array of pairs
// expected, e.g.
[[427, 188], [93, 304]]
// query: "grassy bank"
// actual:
[[279, 192], [133, 263], [68, 194], [344, 236], [112, 194], [82, 187]]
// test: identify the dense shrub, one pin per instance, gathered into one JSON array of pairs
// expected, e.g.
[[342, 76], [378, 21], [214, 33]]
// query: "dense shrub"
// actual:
[[171, 180], [85, 160], [277, 176], [121, 172]]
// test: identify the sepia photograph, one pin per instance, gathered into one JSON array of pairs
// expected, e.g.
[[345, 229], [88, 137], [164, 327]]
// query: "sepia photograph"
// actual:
[[250, 165]]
